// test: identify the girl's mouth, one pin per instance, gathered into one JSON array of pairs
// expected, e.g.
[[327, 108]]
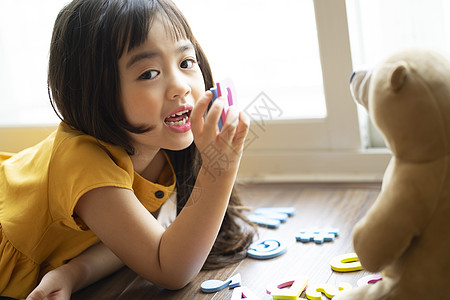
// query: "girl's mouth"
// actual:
[[179, 121], [179, 118]]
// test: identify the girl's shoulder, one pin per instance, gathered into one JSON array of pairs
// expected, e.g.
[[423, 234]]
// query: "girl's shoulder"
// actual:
[[71, 146], [80, 163], [68, 149]]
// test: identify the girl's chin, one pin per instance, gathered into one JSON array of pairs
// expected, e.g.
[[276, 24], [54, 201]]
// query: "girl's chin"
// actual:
[[183, 144]]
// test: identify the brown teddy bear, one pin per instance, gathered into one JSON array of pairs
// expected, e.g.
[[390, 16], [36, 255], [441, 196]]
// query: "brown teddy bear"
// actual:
[[406, 233]]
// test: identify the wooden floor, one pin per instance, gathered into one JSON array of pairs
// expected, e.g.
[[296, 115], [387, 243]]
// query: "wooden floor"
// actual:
[[317, 205]]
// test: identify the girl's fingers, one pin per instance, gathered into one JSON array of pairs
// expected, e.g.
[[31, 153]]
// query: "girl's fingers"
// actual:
[[229, 128], [199, 111], [212, 118], [39, 293], [241, 131], [235, 127]]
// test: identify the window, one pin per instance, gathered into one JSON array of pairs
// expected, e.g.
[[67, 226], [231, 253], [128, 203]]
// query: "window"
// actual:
[[380, 27], [263, 47], [25, 34]]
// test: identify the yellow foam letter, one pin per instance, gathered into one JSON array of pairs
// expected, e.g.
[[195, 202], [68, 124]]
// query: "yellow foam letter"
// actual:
[[346, 263], [289, 289]]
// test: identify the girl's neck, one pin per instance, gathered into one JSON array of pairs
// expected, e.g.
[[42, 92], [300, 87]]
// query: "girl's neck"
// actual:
[[149, 166]]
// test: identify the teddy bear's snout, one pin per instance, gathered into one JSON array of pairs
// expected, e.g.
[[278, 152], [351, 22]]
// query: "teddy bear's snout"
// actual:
[[359, 86]]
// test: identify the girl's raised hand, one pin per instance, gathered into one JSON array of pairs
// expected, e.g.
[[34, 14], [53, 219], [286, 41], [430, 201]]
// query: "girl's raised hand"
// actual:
[[212, 143]]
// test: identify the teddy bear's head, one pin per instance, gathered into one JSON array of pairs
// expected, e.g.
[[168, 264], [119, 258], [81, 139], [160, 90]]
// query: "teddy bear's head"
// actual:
[[408, 98]]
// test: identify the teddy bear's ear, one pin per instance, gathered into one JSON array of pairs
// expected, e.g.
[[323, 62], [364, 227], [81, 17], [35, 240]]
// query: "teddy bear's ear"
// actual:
[[398, 76]]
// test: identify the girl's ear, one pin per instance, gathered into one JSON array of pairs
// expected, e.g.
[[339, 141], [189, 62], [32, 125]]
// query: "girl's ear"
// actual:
[[398, 76]]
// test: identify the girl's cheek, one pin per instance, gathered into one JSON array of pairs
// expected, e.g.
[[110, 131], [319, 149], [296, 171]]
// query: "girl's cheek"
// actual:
[[198, 94]]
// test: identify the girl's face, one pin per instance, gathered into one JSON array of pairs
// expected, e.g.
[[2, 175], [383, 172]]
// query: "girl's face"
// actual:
[[160, 82]]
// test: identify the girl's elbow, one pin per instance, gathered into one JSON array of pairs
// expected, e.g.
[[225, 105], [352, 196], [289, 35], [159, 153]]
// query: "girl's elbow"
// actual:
[[177, 281], [172, 282], [173, 286]]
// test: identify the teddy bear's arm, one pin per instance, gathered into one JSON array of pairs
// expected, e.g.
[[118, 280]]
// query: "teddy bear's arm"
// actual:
[[403, 208]]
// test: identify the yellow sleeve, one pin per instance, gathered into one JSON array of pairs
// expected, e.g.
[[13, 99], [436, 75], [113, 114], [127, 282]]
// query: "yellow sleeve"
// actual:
[[80, 163]]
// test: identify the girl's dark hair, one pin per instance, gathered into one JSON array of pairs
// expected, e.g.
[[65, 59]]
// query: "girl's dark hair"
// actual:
[[88, 39]]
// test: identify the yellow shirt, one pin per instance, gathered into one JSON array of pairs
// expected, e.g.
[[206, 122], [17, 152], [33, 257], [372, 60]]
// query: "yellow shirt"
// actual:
[[39, 188]]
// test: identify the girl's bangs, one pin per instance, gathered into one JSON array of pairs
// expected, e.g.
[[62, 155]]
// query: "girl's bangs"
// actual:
[[133, 30], [174, 21]]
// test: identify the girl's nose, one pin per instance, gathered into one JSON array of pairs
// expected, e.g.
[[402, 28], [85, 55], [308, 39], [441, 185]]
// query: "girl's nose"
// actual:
[[178, 87]]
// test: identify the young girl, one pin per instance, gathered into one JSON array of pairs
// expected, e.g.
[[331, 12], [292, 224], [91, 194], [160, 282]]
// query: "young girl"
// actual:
[[128, 80]]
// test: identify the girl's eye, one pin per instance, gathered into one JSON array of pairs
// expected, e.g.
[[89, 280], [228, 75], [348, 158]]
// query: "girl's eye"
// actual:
[[188, 64], [149, 75]]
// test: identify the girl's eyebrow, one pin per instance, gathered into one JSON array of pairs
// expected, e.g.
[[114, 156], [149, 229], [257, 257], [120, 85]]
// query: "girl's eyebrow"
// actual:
[[185, 47], [150, 54], [140, 56]]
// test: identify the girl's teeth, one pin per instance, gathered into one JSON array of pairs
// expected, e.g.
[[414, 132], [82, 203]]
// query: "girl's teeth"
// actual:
[[178, 114], [179, 123], [181, 112]]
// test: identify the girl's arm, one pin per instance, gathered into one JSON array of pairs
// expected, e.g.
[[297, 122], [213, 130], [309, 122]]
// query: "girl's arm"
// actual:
[[171, 258], [91, 265]]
